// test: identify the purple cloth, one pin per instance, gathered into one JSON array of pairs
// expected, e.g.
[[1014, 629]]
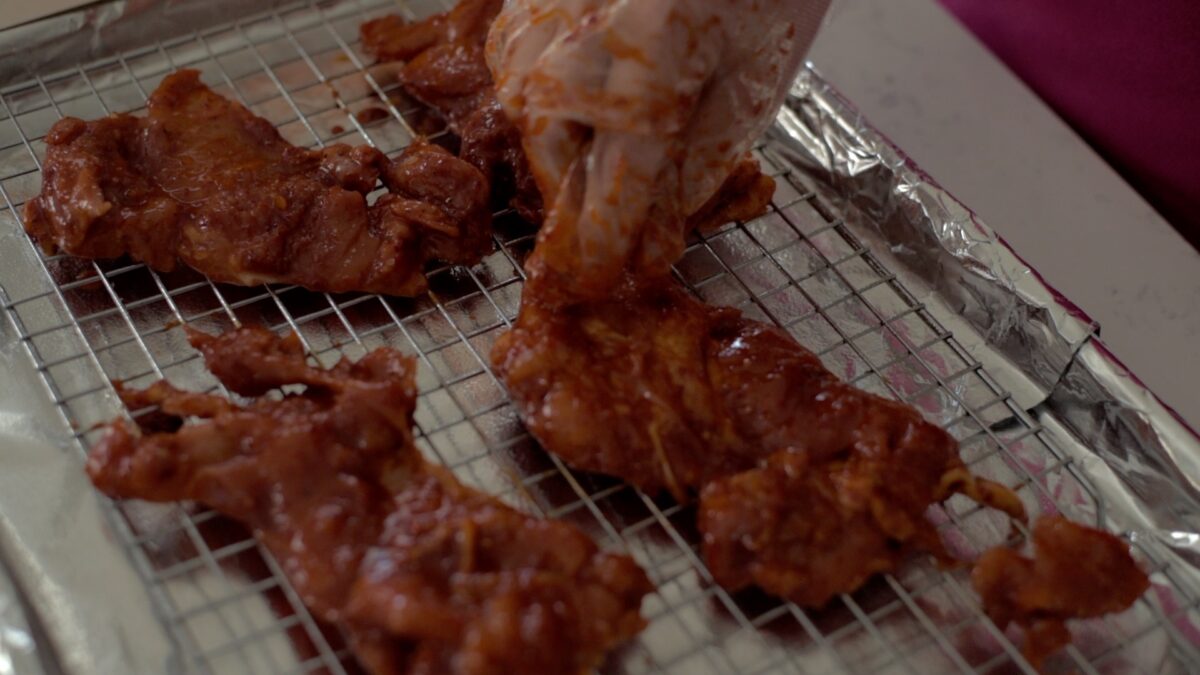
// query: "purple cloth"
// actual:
[[1124, 73]]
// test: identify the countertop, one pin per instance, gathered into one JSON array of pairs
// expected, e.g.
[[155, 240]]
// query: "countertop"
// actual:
[[922, 79]]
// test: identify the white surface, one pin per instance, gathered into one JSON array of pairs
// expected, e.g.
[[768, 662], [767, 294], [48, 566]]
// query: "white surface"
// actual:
[[929, 85]]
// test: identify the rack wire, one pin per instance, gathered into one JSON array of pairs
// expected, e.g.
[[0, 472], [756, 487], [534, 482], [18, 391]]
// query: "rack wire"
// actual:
[[800, 266]]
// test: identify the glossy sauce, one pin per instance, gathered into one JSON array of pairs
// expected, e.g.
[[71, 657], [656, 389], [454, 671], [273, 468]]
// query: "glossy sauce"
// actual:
[[426, 575], [201, 181], [1076, 572], [807, 486]]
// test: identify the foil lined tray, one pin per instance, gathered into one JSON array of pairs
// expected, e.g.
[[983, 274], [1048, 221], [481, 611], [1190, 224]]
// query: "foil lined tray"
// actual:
[[896, 285]]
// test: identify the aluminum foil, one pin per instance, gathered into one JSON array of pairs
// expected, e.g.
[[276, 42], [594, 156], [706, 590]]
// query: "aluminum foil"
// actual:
[[78, 605], [1059, 364], [74, 592]]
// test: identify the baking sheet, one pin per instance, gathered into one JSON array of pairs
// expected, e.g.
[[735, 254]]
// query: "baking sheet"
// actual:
[[864, 258], [18, 645]]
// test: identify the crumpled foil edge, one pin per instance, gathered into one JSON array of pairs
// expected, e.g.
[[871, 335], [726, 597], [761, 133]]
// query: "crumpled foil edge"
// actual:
[[1012, 309]]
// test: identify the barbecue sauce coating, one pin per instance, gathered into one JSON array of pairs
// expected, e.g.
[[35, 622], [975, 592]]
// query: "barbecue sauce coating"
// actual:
[[446, 70], [1076, 572], [807, 486], [426, 575], [203, 182], [632, 115]]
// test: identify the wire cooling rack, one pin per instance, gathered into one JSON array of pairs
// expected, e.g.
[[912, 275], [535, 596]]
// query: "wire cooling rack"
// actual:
[[800, 266]]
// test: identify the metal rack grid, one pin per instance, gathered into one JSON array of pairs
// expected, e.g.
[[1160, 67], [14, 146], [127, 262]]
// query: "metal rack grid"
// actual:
[[800, 266]]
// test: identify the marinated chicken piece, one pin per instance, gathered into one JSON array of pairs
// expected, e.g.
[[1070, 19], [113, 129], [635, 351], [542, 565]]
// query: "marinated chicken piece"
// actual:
[[446, 69], [807, 528], [633, 114], [627, 387], [807, 485], [391, 38], [745, 195], [443, 198], [201, 181], [493, 145], [637, 118], [1076, 572], [426, 575]]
